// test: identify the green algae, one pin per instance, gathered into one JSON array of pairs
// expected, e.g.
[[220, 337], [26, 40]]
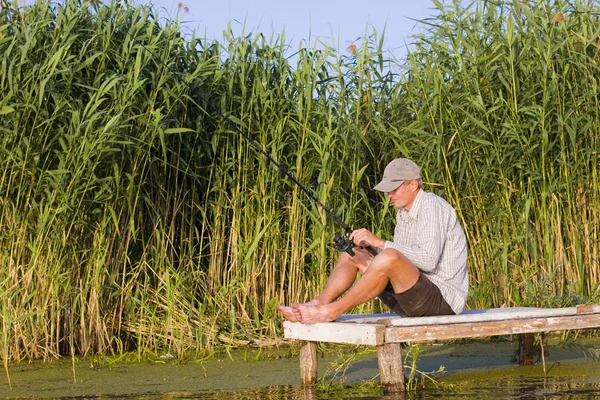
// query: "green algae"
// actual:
[[474, 368]]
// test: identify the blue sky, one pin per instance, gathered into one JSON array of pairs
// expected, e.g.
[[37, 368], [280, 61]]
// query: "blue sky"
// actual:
[[336, 23]]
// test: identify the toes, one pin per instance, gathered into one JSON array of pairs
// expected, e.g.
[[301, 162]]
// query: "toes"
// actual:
[[297, 314], [288, 313]]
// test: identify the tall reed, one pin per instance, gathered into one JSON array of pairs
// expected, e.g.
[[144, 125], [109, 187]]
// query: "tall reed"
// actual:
[[507, 92], [135, 218]]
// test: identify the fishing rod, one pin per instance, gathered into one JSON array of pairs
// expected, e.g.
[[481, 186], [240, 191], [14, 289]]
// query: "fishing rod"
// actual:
[[341, 243]]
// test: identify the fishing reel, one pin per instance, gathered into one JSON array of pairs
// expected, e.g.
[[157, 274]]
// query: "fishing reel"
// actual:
[[343, 243]]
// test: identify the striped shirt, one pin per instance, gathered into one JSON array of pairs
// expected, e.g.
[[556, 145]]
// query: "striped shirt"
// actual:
[[431, 237]]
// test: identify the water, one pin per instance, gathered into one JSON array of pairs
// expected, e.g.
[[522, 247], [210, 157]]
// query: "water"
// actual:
[[475, 370], [503, 389], [497, 389]]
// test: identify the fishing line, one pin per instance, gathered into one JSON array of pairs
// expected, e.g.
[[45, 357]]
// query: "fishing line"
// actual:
[[341, 243]]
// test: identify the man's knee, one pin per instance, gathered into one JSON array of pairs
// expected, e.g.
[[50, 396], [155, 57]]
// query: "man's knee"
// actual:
[[390, 257], [392, 262]]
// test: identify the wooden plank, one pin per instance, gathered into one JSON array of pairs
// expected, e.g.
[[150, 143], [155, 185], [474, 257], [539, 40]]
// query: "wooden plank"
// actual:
[[369, 329], [308, 363], [336, 332], [495, 314], [368, 318], [490, 328], [491, 314], [391, 369]]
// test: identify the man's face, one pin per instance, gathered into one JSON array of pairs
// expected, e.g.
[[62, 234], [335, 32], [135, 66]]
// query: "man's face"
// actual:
[[404, 195]]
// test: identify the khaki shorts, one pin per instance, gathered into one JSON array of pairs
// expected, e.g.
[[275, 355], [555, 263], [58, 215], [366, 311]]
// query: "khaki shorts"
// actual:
[[421, 300]]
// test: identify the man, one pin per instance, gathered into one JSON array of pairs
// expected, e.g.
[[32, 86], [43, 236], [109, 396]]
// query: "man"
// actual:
[[422, 272]]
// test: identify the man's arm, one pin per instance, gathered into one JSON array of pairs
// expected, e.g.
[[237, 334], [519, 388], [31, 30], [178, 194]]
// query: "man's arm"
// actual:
[[363, 238]]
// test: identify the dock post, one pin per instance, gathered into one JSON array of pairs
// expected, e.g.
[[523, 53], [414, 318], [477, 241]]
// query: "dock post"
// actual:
[[391, 368], [308, 363], [526, 348]]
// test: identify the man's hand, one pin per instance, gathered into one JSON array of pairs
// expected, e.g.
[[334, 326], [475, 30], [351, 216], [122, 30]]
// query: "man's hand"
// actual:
[[363, 238]]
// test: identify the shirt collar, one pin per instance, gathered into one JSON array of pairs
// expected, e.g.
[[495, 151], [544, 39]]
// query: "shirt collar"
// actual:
[[414, 210]]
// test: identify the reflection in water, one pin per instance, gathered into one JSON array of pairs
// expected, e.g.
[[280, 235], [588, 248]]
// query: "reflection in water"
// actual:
[[549, 389]]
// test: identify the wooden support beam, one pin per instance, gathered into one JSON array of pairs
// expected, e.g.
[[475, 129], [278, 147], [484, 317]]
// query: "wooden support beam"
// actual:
[[526, 349], [308, 363], [391, 368]]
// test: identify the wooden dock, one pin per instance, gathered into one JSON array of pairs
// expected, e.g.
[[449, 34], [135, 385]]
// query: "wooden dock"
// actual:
[[387, 331]]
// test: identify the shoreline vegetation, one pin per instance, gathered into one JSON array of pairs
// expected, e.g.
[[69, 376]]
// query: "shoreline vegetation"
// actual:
[[134, 219]]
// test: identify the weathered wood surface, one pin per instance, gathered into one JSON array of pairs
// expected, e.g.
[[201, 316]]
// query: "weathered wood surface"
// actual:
[[491, 314], [526, 349], [384, 319], [336, 332], [376, 329], [490, 328], [391, 368], [308, 363]]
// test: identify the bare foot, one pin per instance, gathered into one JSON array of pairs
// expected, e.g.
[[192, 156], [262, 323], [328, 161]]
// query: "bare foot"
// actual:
[[292, 314], [311, 314], [288, 313], [314, 302]]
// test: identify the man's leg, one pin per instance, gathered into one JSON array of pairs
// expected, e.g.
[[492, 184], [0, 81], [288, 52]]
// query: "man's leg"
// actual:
[[388, 266], [341, 278]]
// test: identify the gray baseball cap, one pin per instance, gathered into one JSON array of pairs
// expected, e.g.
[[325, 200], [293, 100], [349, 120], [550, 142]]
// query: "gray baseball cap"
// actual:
[[396, 172]]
